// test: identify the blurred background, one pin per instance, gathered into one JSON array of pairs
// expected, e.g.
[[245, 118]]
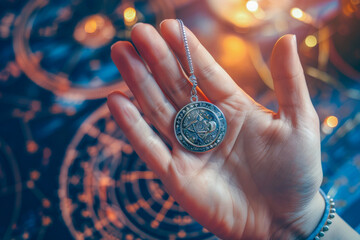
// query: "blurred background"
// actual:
[[66, 169]]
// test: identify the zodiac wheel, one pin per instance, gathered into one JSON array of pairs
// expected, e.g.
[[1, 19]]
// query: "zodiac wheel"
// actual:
[[107, 192]]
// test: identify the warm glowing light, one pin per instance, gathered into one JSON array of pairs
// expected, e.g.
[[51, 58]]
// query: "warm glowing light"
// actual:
[[30, 184], [296, 13], [46, 203], [302, 16], [46, 221], [331, 121], [111, 215], [129, 15], [232, 46], [31, 146], [25, 235], [311, 41], [90, 26], [93, 31], [252, 6], [34, 175]]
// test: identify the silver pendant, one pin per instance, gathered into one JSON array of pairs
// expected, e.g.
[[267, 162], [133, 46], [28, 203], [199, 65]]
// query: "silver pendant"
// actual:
[[200, 126]]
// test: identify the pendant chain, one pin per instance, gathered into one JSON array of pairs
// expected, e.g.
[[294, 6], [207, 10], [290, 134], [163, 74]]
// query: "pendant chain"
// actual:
[[192, 78]]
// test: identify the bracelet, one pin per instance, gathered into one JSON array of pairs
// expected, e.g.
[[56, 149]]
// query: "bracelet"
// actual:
[[325, 221]]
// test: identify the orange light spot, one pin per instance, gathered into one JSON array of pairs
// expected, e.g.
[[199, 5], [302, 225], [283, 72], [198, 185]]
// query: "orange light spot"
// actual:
[[232, 46], [31, 146], [90, 26], [111, 214], [154, 224], [46, 221], [30, 184], [331, 121], [94, 23], [25, 235], [46, 203], [182, 234], [34, 175], [129, 15]]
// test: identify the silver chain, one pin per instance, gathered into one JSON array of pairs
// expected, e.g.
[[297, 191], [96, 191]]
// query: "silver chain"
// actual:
[[192, 78]]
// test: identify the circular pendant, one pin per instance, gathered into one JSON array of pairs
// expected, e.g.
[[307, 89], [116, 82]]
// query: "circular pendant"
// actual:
[[200, 126]]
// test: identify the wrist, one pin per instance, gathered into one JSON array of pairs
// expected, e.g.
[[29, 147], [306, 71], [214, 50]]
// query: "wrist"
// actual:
[[311, 217], [305, 221]]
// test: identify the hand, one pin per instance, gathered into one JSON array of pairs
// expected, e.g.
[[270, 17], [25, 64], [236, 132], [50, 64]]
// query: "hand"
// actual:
[[262, 181]]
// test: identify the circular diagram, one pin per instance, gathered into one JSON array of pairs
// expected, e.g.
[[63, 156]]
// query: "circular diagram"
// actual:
[[64, 46], [107, 192]]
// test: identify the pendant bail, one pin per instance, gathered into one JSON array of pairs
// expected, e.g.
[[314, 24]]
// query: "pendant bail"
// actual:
[[194, 97]]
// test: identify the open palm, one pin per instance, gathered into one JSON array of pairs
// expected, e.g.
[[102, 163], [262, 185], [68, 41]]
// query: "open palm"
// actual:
[[262, 181]]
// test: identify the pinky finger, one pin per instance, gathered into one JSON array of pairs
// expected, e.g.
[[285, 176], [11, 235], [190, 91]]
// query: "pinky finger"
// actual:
[[145, 141]]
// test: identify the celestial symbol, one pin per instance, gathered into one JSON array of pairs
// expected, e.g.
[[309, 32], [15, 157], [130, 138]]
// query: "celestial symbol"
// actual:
[[200, 126], [106, 188]]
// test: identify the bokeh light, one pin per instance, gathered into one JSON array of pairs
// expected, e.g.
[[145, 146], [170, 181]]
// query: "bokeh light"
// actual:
[[331, 121], [90, 26], [296, 13], [129, 15], [252, 6], [311, 41]]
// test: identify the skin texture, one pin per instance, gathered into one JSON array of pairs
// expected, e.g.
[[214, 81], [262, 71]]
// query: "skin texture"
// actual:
[[262, 182]]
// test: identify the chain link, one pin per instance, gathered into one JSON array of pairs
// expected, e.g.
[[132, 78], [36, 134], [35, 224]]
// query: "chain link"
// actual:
[[192, 78]]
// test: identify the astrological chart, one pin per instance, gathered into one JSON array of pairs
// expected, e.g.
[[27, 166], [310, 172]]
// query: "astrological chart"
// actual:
[[107, 192]]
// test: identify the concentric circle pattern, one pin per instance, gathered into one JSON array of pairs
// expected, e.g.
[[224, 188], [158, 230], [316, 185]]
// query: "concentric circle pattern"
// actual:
[[107, 192]]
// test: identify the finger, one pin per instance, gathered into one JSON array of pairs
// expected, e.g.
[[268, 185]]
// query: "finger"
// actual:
[[289, 80], [145, 89], [146, 143], [163, 64], [216, 84]]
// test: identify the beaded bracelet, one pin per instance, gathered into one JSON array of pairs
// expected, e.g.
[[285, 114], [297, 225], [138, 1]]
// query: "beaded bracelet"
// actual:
[[325, 221]]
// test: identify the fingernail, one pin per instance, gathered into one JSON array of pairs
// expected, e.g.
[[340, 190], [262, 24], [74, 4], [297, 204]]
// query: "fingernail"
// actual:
[[117, 105], [112, 46], [162, 22], [116, 93]]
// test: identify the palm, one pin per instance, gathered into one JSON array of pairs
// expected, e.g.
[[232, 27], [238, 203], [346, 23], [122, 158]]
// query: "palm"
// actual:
[[248, 179]]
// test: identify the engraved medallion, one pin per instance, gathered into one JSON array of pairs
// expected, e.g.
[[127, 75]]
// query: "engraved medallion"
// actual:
[[200, 126]]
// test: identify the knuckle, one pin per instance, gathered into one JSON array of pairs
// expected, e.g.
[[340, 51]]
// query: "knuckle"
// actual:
[[290, 75], [209, 70], [179, 86], [162, 57], [159, 111]]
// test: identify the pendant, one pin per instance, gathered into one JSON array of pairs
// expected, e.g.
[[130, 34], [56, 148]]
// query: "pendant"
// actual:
[[200, 126]]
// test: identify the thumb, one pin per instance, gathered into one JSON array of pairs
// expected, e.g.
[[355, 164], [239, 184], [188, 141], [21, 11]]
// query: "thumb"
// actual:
[[289, 80]]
